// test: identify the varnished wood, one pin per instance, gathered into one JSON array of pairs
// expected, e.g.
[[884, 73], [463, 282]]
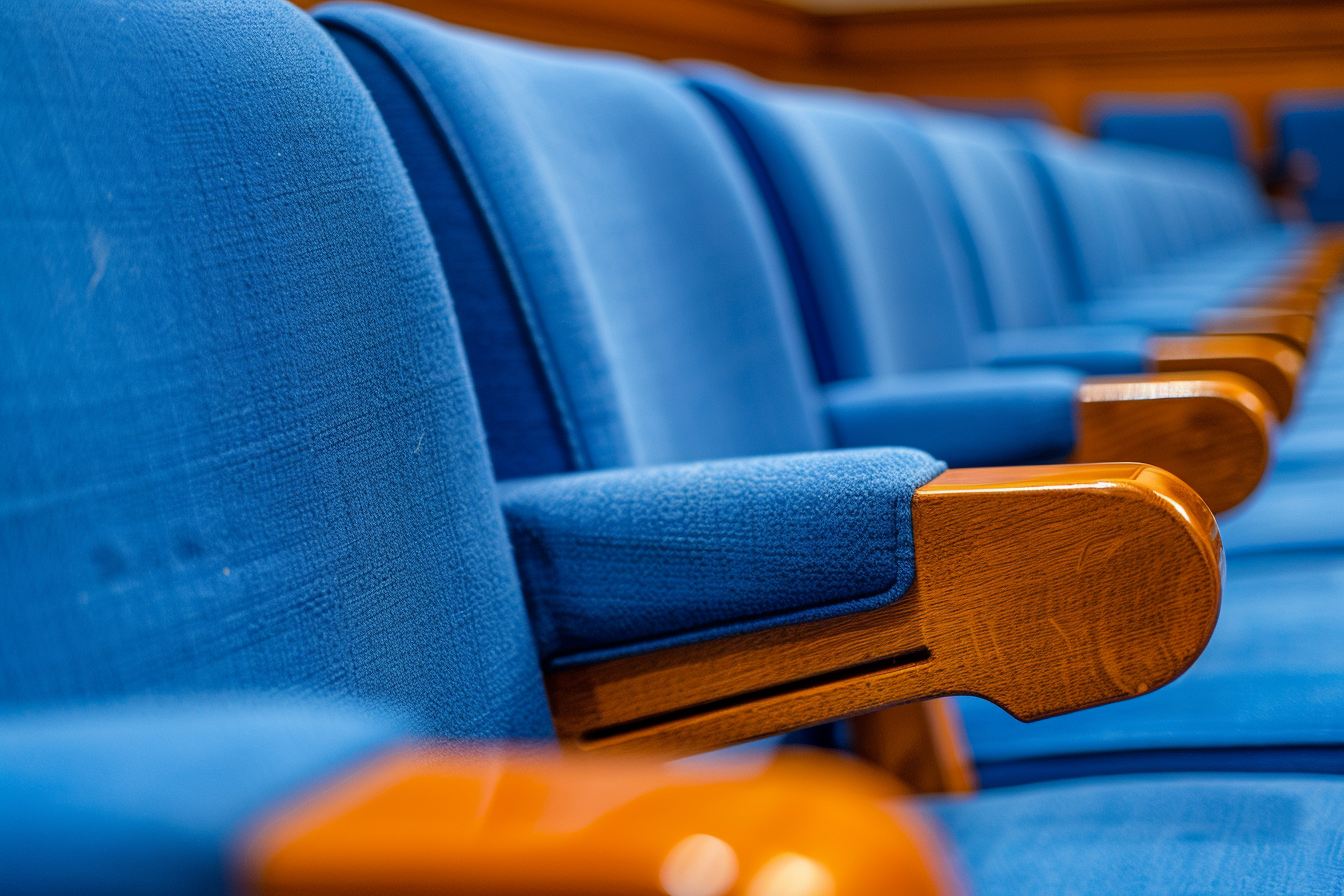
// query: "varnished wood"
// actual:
[[923, 744], [1044, 589], [1268, 363], [1295, 329], [1213, 429]]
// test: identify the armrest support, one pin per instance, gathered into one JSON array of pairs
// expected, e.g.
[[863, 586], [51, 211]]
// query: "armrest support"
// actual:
[[1098, 349], [965, 417], [1213, 430], [1043, 589], [1267, 362]]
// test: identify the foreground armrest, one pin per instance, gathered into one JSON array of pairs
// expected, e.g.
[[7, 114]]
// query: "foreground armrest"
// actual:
[[434, 820], [1043, 589], [1269, 363], [1215, 431], [1295, 329]]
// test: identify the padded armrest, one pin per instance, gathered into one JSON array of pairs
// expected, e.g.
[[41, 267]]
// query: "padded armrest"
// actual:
[[965, 417], [622, 562], [1095, 349], [1043, 589]]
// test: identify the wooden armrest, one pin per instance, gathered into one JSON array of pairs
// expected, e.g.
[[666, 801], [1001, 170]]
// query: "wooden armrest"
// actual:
[[432, 820], [1214, 430], [1268, 363], [1044, 589], [1293, 328]]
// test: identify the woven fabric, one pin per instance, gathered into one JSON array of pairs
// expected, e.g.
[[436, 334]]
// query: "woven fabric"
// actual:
[[621, 561], [238, 444]]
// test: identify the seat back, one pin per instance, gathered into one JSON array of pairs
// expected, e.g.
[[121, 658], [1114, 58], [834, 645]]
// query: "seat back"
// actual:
[[857, 198], [635, 257], [1211, 124], [1309, 129], [238, 444]]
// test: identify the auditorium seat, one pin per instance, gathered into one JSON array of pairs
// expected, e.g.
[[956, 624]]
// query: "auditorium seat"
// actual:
[[1309, 132], [584, 182], [259, 568], [1210, 124]]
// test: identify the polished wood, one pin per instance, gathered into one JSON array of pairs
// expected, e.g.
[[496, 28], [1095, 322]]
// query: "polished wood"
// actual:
[[923, 744], [1214, 430], [462, 819], [1268, 363], [1057, 54], [1294, 329], [1044, 589]]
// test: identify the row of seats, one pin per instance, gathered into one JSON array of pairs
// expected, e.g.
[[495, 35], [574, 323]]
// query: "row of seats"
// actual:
[[1307, 128], [378, 392]]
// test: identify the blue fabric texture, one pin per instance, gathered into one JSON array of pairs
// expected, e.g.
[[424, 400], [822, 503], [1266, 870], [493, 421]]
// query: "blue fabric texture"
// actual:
[[527, 435], [148, 798], [965, 417], [640, 250], [1098, 350], [238, 442], [880, 254], [1258, 698], [616, 562], [1184, 835]]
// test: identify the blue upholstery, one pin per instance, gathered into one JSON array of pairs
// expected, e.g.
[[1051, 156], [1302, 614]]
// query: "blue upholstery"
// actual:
[[237, 435], [711, 549], [1090, 348], [968, 418], [1310, 133], [637, 249], [147, 798], [1182, 835], [1208, 124]]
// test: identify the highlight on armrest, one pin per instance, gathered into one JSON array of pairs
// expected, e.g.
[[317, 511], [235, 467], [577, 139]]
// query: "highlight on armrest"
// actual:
[[1295, 329], [1269, 363], [1043, 589], [438, 820], [1213, 429]]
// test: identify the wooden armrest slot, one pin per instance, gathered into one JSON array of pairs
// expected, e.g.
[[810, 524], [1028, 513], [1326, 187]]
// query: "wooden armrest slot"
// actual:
[[1044, 589]]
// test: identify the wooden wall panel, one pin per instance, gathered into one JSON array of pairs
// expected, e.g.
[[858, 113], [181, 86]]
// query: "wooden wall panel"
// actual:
[[1055, 52]]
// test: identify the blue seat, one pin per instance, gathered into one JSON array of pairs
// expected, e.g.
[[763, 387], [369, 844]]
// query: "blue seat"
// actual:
[[242, 454], [1208, 124], [1309, 131], [886, 266]]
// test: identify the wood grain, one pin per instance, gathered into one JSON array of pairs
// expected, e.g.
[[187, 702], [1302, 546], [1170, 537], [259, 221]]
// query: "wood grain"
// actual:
[[1214, 430], [1268, 363], [1044, 589]]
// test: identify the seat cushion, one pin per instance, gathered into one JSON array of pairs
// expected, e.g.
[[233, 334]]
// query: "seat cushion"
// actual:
[[1178, 835], [1255, 700]]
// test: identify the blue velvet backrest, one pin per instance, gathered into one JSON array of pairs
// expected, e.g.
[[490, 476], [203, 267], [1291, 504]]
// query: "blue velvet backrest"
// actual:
[[1018, 246], [238, 444], [859, 202], [633, 242]]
